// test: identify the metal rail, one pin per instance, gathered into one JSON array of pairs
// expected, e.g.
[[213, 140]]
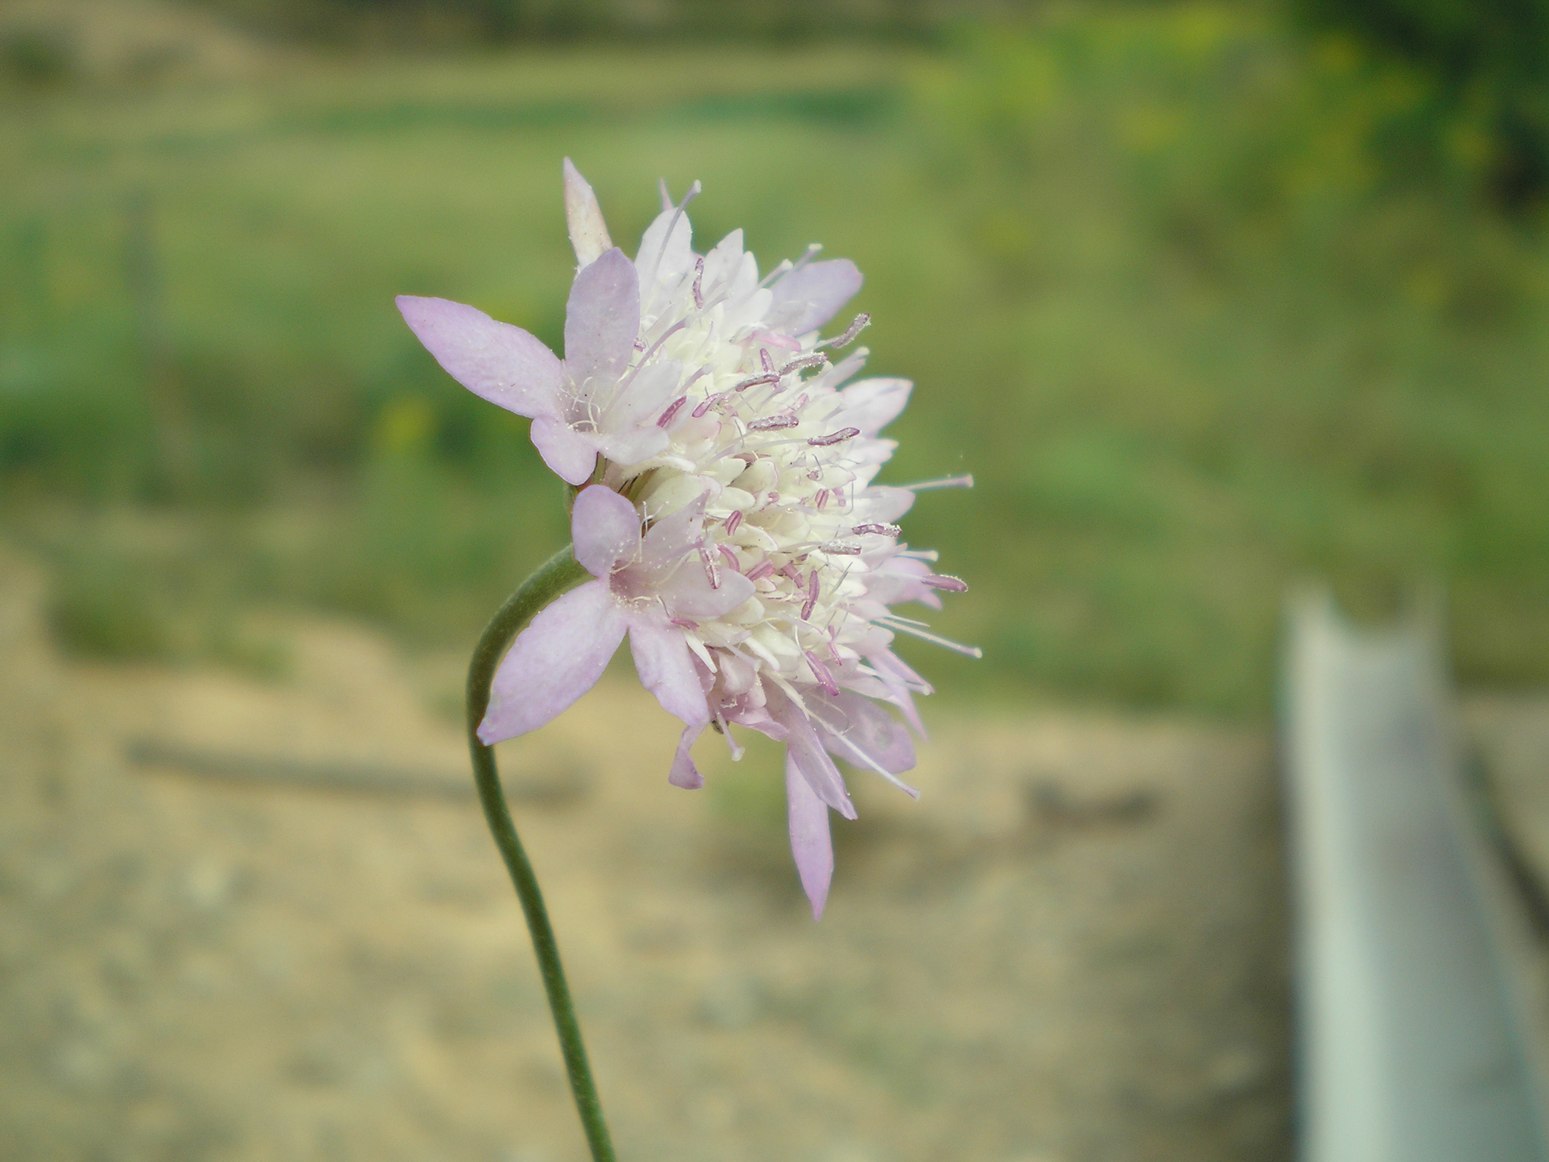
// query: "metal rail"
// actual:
[[1411, 1039]]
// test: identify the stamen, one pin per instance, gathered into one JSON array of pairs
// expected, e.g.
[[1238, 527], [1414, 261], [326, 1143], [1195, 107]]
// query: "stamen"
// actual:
[[707, 403], [821, 499], [877, 529], [765, 361], [822, 674], [699, 278], [833, 438], [817, 359], [943, 482], [944, 581], [711, 572], [774, 423], [672, 410], [862, 321], [840, 549], [677, 216], [683, 623], [912, 628], [733, 521], [757, 381], [761, 570], [812, 596], [787, 266], [730, 555]]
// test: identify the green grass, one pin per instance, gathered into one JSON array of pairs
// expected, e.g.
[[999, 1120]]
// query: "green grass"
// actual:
[[1157, 292]]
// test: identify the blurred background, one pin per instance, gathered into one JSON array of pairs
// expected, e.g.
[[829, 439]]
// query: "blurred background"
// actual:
[[1209, 297]]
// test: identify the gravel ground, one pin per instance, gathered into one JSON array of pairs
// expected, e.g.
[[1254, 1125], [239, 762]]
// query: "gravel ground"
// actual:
[[246, 919]]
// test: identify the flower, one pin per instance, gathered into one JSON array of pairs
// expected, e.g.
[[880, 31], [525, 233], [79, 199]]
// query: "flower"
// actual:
[[727, 510]]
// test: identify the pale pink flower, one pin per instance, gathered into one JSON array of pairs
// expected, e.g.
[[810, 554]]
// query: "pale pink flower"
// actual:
[[732, 525]]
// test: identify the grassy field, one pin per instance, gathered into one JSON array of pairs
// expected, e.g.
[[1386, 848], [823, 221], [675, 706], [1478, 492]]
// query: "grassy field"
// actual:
[[1195, 343]]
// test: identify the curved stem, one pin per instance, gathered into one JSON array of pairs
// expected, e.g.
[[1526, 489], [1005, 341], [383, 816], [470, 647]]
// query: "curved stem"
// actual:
[[557, 575]]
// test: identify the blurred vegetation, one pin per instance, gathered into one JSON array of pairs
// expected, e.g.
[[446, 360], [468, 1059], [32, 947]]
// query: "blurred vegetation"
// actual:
[[1160, 285], [1485, 70]]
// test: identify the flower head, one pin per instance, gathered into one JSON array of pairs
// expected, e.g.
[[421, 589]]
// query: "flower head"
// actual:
[[727, 509]]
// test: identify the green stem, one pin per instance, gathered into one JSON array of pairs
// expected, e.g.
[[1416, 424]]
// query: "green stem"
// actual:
[[557, 575]]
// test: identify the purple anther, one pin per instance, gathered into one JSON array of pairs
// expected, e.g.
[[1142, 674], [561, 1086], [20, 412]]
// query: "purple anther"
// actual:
[[822, 674], [729, 555], [775, 423], [876, 529], [712, 573], [707, 403], [757, 381], [821, 499], [817, 359], [733, 521], [683, 623], [944, 581], [840, 549], [761, 570], [672, 410], [699, 278], [811, 603], [862, 321], [833, 438], [639, 344], [765, 361]]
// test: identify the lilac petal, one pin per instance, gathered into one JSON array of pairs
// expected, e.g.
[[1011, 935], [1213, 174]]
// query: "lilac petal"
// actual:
[[807, 753], [872, 404], [666, 248], [496, 361], [874, 732], [684, 773], [555, 660], [673, 535], [690, 592], [666, 669], [887, 503], [602, 319], [588, 232], [630, 416], [570, 456], [811, 844], [604, 528], [808, 296]]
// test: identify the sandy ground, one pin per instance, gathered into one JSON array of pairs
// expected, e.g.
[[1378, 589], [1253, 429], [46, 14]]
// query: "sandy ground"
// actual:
[[1071, 949]]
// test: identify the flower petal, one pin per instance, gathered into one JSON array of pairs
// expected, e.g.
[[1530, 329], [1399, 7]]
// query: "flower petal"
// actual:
[[588, 232], [811, 844], [689, 592], [684, 773], [604, 528], [555, 660], [666, 669], [666, 247], [872, 404], [809, 756], [875, 733], [602, 319], [808, 296], [496, 361], [569, 455]]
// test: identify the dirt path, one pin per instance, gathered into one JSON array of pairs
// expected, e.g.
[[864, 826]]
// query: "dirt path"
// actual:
[[1071, 949]]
